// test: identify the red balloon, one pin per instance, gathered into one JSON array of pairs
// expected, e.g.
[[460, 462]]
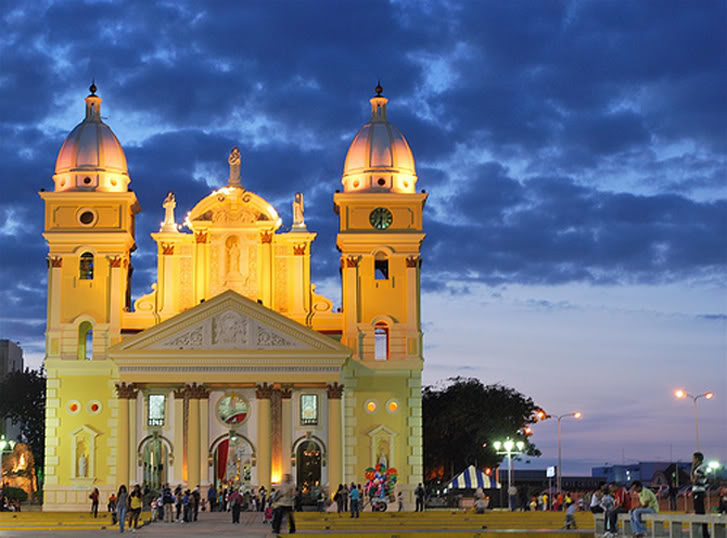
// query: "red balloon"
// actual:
[[392, 470]]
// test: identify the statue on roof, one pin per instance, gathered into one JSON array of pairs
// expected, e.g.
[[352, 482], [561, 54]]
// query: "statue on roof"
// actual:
[[170, 202], [298, 208], [235, 161]]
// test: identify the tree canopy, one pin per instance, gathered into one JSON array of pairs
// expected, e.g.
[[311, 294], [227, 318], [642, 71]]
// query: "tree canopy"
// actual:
[[22, 400], [462, 415]]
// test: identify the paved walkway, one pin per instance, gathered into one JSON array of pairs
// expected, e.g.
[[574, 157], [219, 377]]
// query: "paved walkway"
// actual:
[[209, 525]]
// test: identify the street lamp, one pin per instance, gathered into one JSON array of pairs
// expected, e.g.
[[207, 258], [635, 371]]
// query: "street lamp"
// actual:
[[681, 394], [4, 446], [575, 414], [508, 448]]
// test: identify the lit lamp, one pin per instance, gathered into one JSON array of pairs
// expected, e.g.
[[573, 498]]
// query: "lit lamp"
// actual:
[[682, 394], [508, 448], [5, 446], [575, 414]]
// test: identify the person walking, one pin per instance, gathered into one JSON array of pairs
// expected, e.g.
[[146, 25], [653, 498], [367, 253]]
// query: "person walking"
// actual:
[[419, 493], [122, 505], [649, 505], [283, 505], [354, 497], [135, 502], [94, 502], [699, 487]]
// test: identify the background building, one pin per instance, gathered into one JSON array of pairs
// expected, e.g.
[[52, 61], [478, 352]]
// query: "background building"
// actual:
[[11, 360]]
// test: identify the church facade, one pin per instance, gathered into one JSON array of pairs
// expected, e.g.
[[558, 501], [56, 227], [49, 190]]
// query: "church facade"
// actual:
[[233, 369]]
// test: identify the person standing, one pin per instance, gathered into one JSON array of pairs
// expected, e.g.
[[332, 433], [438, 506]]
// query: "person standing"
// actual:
[[196, 497], [649, 505], [283, 506], [212, 497], [354, 497], [400, 499], [94, 502], [699, 487], [168, 503], [111, 507], [236, 502], [122, 505], [338, 497], [419, 493]]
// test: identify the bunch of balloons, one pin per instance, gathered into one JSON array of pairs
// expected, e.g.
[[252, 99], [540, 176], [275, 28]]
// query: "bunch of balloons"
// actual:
[[380, 481]]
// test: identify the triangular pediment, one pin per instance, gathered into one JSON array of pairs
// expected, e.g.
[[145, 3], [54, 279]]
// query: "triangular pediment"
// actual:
[[233, 323]]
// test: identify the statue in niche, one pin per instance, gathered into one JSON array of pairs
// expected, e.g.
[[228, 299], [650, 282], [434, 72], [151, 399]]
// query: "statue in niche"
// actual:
[[233, 256], [170, 202], [298, 209], [82, 456], [382, 452]]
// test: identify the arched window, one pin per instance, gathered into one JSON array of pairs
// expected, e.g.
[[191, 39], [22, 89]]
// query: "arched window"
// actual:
[[381, 342], [85, 266], [85, 341], [381, 266]]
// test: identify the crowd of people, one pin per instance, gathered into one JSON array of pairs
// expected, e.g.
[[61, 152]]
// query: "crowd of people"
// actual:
[[6, 503]]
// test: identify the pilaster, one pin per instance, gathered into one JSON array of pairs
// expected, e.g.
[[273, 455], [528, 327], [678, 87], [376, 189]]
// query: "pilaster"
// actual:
[[287, 427], [263, 394], [179, 448], [126, 393], [335, 460]]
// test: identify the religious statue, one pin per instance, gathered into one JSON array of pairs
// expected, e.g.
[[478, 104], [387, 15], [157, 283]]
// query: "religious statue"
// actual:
[[82, 459], [233, 257], [382, 452], [298, 208], [235, 161], [170, 202]]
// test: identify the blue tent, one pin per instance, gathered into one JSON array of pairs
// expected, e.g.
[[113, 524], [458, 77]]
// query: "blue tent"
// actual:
[[472, 478]]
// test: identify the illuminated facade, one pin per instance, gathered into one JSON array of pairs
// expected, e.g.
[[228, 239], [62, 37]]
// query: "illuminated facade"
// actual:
[[232, 369]]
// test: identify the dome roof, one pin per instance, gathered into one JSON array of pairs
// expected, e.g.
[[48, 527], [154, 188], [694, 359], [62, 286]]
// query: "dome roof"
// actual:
[[379, 157], [92, 152]]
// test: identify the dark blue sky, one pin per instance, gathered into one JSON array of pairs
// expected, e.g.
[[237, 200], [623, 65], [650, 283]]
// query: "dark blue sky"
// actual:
[[574, 152]]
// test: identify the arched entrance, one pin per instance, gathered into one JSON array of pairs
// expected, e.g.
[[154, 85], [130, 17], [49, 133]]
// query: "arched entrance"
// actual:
[[308, 463], [233, 459], [155, 456]]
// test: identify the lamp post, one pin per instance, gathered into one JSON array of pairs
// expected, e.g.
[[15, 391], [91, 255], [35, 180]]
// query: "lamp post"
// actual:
[[681, 394], [507, 448], [575, 414], [712, 467], [4, 446]]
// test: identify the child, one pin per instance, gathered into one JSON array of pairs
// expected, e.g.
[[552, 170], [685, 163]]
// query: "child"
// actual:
[[570, 516], [608, 503], [269, 512]]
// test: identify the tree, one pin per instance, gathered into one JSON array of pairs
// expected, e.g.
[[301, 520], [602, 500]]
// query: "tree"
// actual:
[[462, 415], [22, 400]]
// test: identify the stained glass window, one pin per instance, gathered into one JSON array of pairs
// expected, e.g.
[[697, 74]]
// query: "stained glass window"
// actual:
[[156, 409], [86, 266], [308, 409]]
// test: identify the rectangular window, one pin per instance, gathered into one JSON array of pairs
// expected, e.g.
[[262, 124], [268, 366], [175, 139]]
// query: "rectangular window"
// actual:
[[381, 269], [157, 403], [381, 343], [308, 409]]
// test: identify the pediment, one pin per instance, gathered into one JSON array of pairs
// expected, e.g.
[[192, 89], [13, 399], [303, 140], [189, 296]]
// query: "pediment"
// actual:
[[231, 322]]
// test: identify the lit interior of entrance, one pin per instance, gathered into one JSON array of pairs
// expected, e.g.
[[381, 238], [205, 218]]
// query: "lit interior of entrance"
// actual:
[[233, 462], [308, 464]]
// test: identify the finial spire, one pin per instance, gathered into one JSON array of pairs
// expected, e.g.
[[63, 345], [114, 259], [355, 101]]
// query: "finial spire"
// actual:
[[92, 87], [379, 89], [234, 160], [378, 104]]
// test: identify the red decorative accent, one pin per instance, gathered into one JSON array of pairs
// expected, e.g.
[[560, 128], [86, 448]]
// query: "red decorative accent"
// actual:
[[200, 237], [299, 250], [115, 261], [167, 249], [222, 450], [94, 407], [56, 261], [74, 407], [266, 237]]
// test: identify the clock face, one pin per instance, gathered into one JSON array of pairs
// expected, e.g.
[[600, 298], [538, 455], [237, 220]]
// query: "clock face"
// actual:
[[381, 218]]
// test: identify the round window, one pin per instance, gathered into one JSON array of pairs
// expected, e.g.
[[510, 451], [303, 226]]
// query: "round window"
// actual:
[[87, 180], [382, 181], [370, 406], [232, 409], [87, 217]]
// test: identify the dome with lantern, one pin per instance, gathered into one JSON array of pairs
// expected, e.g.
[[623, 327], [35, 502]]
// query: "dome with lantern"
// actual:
[[379, 158], [91, 158]]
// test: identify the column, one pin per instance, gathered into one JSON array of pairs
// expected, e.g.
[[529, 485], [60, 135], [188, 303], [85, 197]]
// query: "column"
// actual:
[[204, 406], [167, 274], [264, 455], [201, 254], [116, 296], [335, 460], [132, 440], [265, 251], [125, 393], [299, 278], [286, 419], [179, 474], [193, 437]]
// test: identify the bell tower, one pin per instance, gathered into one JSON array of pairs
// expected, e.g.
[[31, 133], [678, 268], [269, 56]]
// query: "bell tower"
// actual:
[[89, 226], [380, 239]]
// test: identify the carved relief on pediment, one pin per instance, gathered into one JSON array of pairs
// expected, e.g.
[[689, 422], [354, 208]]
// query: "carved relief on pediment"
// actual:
[[226, 215], [230, 329], [193, 338], [268, 338]]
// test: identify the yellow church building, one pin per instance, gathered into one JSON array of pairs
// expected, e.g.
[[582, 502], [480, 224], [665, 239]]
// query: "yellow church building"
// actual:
[[232, 370]]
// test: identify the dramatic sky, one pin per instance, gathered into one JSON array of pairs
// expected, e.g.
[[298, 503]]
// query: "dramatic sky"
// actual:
[[574, 152]]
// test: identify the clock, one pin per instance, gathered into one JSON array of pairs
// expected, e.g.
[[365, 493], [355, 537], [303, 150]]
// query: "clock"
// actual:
[[381, 218]]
